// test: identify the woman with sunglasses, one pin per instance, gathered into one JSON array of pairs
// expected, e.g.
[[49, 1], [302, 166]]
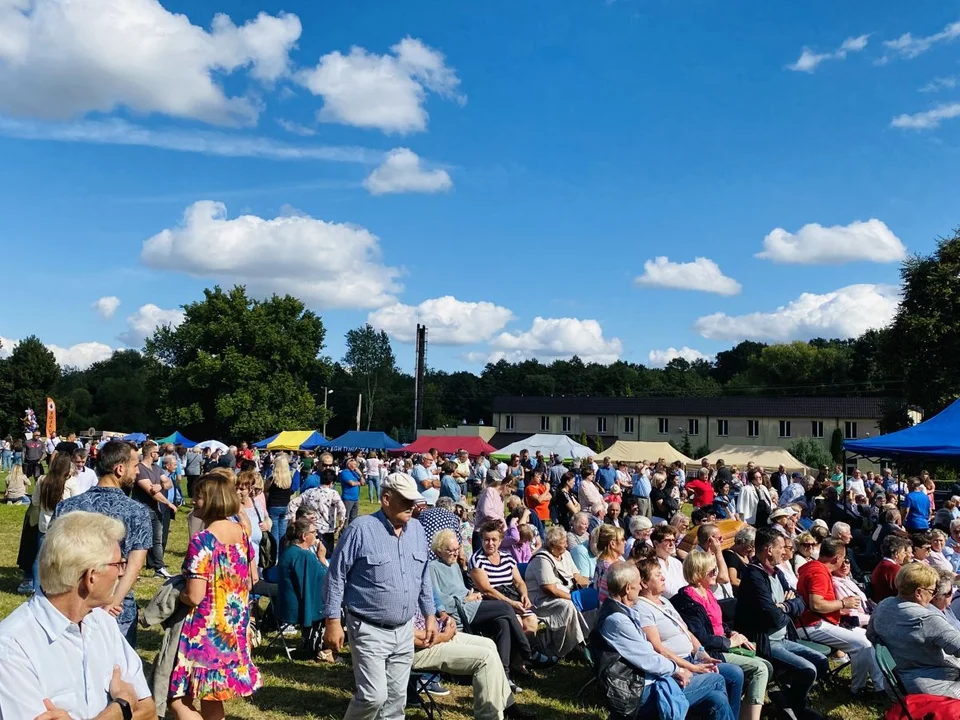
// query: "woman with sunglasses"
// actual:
[[664, 539], [844, 586]]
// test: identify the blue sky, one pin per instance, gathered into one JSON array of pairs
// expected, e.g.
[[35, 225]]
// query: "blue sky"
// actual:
[[502, 171]]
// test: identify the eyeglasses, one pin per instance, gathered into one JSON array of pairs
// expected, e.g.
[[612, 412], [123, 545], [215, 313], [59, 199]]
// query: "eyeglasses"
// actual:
[[669, 541], [713, 572], [932, 591], [119, 564]]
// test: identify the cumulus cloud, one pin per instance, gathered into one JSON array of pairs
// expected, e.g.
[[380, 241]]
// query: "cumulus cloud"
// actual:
[[386, 92], [938, 84], [702, 274], [327, 265], [449, 321], [847, 312], [909, 47], [80, 356], [929, 119], [296, 128], [145, 320], [660, 358], [809, 60], [553, 339], [107, 306], [813, 244], [64, 58], [401, 172]]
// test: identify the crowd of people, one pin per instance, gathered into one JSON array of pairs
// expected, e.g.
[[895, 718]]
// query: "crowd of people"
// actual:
[[494, 570]]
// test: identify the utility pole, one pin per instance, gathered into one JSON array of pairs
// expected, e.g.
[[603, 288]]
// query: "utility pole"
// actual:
[[326, 392]]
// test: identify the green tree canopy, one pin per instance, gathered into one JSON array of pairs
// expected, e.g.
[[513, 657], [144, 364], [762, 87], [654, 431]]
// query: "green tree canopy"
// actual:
[[370, 359]]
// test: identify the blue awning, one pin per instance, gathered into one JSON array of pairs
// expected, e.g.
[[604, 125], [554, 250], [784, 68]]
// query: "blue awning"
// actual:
[[938, 437]]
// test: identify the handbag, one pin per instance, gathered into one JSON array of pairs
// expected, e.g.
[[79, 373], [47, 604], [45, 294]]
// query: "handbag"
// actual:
[[267, 557]]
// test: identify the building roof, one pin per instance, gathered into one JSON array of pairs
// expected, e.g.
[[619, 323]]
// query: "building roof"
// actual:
[[729, 406]]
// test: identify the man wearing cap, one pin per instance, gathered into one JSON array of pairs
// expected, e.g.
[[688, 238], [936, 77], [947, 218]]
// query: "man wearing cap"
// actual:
[[795, 491], [782, 520], [378, 574]]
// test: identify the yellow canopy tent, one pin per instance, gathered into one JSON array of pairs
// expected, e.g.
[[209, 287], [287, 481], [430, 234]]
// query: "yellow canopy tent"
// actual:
[[634, 452], [297, 440]]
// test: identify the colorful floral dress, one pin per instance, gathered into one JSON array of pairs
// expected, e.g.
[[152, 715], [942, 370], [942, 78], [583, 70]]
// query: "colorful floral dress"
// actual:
[[213, 659]]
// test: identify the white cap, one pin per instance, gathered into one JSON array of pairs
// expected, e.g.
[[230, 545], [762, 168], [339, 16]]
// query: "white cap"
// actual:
[[403, 485]]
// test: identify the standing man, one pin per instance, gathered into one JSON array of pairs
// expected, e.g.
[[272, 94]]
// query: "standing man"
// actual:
[[33, 456], [379, 575], [151, 486], [350, 489], [917, 507], [86, 478], [117, 467], [192, 465], [641, 491], [607, 475], [779, 480]]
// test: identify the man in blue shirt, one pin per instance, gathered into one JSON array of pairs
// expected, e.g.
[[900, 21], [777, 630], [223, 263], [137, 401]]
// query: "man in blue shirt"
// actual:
[[607, 475], [379, 574], [350, 481], [916, 507], [641, 491]]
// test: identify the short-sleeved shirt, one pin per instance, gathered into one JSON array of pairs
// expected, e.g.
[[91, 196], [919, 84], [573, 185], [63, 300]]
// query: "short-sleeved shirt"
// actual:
[[349, 492], [702, 492], [498, 575], [542, 509], [672, 629], [112, 502], [436, 519], [815, 579], [153, 473], [916, 511], [561, 501]]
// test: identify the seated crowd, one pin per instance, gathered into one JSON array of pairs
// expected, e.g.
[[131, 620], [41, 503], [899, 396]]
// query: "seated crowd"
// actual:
[[593, 564]]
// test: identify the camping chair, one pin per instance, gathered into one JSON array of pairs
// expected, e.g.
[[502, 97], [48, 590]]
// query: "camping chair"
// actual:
[[833, 676], [895, 687], [274, 637], [422, 697]]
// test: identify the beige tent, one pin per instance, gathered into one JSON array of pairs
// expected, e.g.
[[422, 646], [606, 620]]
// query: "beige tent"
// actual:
[[769, 457], [633, 452]]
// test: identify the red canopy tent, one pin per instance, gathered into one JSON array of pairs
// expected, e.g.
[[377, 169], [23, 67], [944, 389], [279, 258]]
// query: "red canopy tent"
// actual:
[[448, 444]]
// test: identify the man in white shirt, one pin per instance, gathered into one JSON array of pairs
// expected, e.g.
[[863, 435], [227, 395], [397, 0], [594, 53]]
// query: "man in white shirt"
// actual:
[[855, 485], [61, 655], [86, 478]]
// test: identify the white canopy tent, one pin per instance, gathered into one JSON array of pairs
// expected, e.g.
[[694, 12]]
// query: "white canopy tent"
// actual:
[[212, 444], [633, 452], [547, 444], [769, 457]]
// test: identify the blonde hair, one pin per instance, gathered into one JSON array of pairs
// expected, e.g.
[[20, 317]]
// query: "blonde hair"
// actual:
[[911, 577], [658, 480], [697, 565], [217, 498], [282, 477], [513, 502], [74, 543], [526, 533], [441, 539], [607, 534]]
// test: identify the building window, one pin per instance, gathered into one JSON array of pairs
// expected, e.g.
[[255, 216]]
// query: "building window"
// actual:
[[628, 426], [544, 423], [723, 428], [693, 426], [753, 428], [663, 426], [508, 422], [816, 428], [850, 430], [784, 428], [601, 425], [566, 423]]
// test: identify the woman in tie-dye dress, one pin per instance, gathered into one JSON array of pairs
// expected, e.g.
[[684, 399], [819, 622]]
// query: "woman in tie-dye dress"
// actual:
[[213, 659]]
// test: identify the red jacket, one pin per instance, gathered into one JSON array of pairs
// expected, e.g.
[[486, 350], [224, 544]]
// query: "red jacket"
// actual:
[[881, 580]]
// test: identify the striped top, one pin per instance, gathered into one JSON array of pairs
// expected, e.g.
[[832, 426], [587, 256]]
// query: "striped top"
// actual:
[[499, 575]]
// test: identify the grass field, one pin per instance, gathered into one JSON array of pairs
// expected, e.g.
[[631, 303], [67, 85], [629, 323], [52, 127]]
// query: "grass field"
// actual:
[[304, 689]]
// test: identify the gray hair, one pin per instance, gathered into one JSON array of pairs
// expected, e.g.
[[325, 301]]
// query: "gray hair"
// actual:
[[74, 543], [945, 583], [168, 458], [554, 535], [619, 575], [446, 503], [635, 523], [704, 472], [745, 537], [954, 525], [586, 516], [839, 528]]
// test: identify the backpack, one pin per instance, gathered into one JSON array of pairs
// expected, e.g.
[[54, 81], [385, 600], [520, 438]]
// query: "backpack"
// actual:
[[620, 682]]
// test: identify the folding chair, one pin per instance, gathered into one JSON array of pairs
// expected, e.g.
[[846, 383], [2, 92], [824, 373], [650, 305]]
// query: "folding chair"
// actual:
[[422, 697], [276, 636], [895, 687]]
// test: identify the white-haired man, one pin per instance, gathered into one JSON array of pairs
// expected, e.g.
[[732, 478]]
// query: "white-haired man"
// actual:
[[61, 655]]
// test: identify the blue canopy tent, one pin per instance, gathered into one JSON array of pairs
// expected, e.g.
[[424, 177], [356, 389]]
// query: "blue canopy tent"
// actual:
[[177, 438], [364, 440], [297, 440], [135, 437], [938, 437], [262, 445]]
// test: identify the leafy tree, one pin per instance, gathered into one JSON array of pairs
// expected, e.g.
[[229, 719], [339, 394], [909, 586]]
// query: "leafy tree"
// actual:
[[598, 444], [701, 451], [685, 447], [836, 446], [583, 439], [371, 361], [810, 452], [237, 368], [27, 377], [736, 360]]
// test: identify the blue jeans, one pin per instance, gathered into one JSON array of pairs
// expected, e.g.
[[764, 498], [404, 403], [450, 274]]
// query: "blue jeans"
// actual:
[[707, 695], [7, 460], [129, 631], [800, 666], [373, 487], [278, 518]]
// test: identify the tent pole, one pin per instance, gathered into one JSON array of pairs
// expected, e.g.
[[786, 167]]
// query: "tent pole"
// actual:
[[846, 498]]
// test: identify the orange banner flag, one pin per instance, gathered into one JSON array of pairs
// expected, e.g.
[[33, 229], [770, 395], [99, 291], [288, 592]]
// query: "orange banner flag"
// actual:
[[51, 418]]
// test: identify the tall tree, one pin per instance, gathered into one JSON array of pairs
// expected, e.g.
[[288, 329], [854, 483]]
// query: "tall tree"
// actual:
[[27, 377], [736, 360], [371, 361]]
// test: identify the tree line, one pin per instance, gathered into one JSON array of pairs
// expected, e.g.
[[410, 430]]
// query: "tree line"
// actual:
[[244, 368]]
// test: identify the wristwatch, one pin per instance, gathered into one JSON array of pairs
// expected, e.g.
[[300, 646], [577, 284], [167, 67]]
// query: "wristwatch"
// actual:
[[125, 708]]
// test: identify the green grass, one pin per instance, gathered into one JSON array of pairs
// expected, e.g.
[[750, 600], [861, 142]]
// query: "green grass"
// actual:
[[304, 689]]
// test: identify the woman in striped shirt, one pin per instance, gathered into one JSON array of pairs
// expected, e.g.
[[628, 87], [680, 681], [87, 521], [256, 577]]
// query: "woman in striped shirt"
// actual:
[[496, 576]]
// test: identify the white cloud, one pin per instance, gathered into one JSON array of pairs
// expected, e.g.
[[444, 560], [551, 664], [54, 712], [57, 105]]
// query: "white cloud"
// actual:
[[107, 305], [702, 274], [145, 320], [449, 321], [927, 120], [938, 84], [80, 356], [328, 265], [813, 244], [660, 358], [386, 92], [206, 142], [909, 47], [401, 172], [847, 312], [296, 128], [553, 339], [64, 58], [810, 60]]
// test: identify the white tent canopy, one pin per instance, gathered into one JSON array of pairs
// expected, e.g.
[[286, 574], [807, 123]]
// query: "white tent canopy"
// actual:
[[212, 444], [547, 444], [633, 452], [769, 457]]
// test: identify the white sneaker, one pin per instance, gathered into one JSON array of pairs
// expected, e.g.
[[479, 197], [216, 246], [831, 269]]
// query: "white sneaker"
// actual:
[[162, 573], [25, 588]]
